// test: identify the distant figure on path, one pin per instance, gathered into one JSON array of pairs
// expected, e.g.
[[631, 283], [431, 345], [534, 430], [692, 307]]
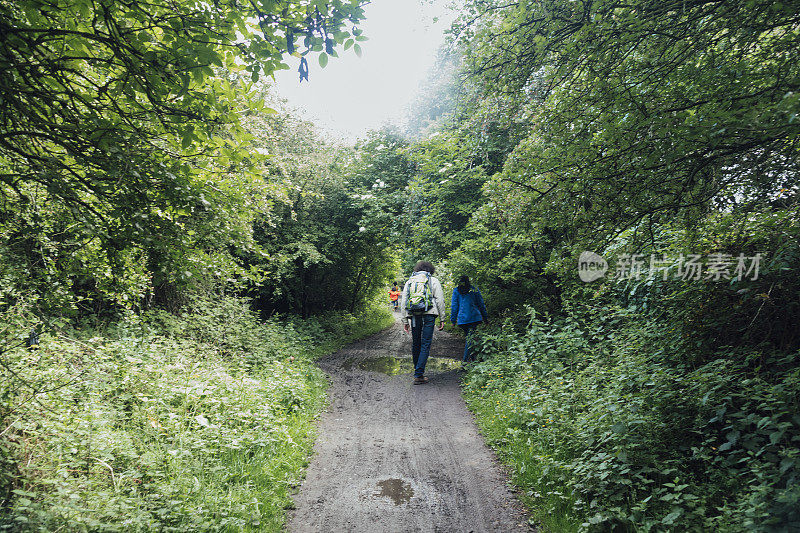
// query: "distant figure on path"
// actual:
[[422, 302], [467, 310], [394, 296]]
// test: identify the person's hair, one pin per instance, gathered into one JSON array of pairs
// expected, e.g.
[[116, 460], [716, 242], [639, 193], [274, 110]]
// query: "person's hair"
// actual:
[[424, 265], [464, 285]]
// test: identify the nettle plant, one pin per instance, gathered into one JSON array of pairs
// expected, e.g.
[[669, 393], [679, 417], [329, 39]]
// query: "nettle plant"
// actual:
[[156, 424], [607, 431]]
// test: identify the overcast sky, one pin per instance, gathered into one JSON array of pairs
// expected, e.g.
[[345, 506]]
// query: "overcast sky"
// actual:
[[352, 95]]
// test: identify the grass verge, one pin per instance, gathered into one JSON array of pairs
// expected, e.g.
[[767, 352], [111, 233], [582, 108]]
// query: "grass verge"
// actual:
[[203, 422]]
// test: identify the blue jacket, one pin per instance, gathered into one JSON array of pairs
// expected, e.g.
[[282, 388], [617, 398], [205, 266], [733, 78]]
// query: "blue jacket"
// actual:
[[467, 308]]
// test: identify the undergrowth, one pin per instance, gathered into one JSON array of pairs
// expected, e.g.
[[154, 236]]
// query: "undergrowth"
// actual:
[[202, 422], [606, 429]]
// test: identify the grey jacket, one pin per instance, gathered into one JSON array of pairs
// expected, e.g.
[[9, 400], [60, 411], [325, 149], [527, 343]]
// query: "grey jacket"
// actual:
[[438, 300]]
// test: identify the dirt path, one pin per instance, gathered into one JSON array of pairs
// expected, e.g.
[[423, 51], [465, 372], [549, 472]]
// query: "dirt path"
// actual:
[[392, 456]]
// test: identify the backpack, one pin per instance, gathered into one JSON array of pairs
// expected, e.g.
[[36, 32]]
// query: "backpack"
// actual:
[[419, 298]]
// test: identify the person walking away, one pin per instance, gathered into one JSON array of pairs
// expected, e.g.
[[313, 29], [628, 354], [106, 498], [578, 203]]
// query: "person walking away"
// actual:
[[394, 296], [468, 311], [422, 301]]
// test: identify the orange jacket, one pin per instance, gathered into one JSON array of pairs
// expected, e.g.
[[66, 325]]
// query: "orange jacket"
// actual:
[[394, 295]]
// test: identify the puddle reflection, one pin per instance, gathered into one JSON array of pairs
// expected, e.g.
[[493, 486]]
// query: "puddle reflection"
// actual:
[[400, 365]]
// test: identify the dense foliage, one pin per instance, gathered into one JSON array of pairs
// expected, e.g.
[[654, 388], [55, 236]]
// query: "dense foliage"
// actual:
[[201, 422], [609, 429], [314, 245], [126, 167]]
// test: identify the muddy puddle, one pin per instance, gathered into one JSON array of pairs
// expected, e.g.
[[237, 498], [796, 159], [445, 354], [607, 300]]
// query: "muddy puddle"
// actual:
[[400, 365], [397, 490]]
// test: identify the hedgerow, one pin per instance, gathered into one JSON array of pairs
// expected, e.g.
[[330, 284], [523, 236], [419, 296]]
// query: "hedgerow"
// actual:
[[606, 431]]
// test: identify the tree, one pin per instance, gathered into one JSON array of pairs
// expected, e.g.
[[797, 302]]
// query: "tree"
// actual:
[[645, 121], [647, 110], [317, 246], [120, 122]]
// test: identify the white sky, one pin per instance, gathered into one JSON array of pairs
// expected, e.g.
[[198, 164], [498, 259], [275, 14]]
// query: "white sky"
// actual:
[[352, 95]]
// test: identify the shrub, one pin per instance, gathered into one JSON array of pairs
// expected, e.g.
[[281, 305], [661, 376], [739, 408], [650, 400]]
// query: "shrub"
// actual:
[[608, 431], [199, 422]]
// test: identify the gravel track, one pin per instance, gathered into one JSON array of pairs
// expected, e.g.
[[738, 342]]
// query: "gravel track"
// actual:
[[392, 456]]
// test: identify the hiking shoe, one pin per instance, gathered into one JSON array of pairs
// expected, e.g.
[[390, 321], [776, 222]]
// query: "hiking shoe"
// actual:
[[420, 381]]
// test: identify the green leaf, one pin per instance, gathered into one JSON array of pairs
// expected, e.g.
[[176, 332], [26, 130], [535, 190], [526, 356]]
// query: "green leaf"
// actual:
[[348, 44], [323, 60], [187, 139], [671, 517], [185, 79], [357, 50], [240, 25]]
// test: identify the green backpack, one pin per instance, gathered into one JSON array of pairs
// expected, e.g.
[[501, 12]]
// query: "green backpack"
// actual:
[[419, 297]]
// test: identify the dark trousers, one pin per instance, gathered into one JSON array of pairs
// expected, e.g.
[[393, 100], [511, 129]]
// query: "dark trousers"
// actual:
[[421, 338], [468, 330]]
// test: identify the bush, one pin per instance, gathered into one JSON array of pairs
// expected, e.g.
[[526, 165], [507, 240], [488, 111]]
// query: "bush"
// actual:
[[201, 422], [608, 431]]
